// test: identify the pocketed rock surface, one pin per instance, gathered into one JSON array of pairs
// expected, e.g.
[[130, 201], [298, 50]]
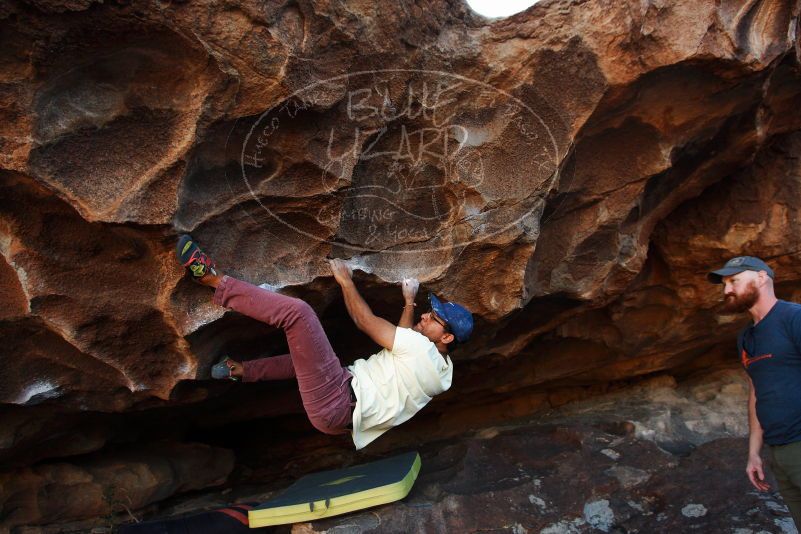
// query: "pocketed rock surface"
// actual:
[[569, 174]]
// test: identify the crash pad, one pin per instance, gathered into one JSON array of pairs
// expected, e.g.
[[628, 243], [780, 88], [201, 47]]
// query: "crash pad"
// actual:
[[339, 491]]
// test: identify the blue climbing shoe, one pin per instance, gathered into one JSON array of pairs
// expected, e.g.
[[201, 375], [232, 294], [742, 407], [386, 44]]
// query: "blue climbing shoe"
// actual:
[[222, 369]]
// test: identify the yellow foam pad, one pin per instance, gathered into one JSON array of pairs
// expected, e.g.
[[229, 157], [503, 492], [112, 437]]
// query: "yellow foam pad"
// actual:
[[340, 491]]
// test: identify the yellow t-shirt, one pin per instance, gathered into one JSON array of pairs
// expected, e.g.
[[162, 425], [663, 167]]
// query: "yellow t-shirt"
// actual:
[[393, 385]]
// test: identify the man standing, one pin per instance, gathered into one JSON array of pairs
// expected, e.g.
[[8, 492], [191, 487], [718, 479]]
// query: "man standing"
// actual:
[[770, 351], [364, 399]]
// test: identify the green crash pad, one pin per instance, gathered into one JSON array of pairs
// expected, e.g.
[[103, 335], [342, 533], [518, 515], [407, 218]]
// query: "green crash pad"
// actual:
[[340, 491]]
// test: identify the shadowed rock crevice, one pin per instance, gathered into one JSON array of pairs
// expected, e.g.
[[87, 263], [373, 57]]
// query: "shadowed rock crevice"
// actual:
[[126, 479]]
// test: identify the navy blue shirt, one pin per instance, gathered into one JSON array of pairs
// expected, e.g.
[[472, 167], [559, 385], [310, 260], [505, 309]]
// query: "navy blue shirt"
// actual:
[[771, 354]]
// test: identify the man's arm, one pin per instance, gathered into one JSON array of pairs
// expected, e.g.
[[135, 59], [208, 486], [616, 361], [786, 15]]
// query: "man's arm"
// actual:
[[409, 287], [380, 330], [754, 467]]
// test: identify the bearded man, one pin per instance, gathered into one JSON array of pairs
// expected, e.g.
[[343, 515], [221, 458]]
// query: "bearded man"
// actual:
[[770, 351]]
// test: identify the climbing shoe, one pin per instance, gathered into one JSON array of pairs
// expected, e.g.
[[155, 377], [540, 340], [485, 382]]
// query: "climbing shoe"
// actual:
[[195, 260], [222, 369]]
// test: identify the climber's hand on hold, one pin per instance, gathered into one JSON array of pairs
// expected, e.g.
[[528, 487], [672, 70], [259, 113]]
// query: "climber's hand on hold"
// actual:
[[341, 271], [409, 286]]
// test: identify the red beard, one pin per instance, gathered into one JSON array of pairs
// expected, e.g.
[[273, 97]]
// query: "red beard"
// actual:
[[740, 303]]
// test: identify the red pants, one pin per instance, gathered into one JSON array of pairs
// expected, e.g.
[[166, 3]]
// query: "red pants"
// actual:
[[324, 385]]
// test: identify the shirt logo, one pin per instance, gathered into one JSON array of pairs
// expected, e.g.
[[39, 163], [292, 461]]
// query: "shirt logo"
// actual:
[[748, 361]]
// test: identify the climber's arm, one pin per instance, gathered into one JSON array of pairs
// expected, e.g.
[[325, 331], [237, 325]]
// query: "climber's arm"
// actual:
[[380, 330]]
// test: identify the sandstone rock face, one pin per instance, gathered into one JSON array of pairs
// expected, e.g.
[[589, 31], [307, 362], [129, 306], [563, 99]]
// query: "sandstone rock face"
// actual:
[[569, 174], [109, 483]]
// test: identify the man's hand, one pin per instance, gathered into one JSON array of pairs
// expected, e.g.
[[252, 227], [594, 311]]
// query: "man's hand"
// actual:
[[409, 286], [755, 473], [341, 271]]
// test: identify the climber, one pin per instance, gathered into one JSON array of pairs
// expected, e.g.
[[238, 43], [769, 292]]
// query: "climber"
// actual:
[[770, 351], [366, 398]]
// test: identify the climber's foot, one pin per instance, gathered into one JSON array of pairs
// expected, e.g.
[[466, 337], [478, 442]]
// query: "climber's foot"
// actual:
[[201, 268], [227, 368]]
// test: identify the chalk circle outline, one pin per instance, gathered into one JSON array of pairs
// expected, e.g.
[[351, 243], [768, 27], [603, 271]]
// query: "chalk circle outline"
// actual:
[[357, 248]]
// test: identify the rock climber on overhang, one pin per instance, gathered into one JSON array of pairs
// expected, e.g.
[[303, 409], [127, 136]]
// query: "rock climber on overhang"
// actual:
[[366, 398]]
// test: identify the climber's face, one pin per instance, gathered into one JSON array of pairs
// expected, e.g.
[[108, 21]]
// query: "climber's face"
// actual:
[[434, 328]]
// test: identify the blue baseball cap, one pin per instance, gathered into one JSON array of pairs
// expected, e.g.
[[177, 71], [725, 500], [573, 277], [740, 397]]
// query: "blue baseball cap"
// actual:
[[458, 319], [738, 265]]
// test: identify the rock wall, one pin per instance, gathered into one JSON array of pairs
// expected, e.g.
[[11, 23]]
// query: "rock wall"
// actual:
[[129, 480], [569, 173]]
